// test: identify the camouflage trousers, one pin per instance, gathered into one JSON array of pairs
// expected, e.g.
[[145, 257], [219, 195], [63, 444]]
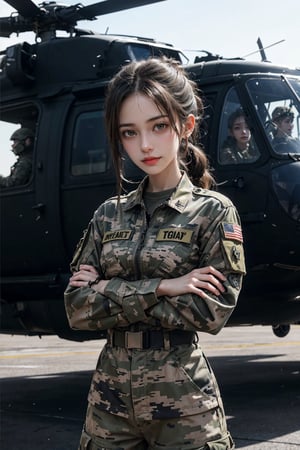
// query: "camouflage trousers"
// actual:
[[154, 399]]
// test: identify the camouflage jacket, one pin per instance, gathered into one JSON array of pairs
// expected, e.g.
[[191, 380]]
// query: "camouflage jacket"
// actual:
[[194, 228], [20, 172]]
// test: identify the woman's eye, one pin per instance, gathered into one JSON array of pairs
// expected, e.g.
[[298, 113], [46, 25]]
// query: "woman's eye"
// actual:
[[128, 133], [161, 126]]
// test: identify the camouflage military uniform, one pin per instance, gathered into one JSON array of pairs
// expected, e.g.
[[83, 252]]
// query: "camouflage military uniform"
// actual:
[[153, 387], [286, 144], [20, 172]]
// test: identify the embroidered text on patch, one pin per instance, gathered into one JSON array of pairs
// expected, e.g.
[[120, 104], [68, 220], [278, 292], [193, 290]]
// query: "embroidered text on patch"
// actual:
[[175, 234], [116, 235], [232, 231]]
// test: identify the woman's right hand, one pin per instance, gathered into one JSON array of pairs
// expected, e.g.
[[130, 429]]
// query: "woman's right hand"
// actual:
[[194, 282]]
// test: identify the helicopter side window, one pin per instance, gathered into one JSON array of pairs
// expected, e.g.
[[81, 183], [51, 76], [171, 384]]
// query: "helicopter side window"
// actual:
[[279, 112], [89, 153], [236, 141], [18, 130]]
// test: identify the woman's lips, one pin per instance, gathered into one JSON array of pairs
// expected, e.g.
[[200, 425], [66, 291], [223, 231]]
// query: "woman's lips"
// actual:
[[151, 161]]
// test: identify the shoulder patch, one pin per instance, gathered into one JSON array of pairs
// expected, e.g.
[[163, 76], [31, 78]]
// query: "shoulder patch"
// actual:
[[232, 231]]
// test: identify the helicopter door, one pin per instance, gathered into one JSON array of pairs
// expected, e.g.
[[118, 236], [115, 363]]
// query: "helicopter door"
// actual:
[[21, 219], [239, 156], [88, 176]]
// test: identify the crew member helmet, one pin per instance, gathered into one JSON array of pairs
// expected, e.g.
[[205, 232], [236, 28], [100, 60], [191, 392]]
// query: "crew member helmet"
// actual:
[[21, 134], [281, 112]]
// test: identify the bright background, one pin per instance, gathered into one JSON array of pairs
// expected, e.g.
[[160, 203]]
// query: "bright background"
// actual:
[[228, 28]]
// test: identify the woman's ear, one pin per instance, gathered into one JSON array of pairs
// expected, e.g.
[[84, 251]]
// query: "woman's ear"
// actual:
[[189, 125]]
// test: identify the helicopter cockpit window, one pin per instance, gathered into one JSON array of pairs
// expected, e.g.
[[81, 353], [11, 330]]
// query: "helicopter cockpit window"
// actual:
[[18, 131], [138, 52], [279, 111], [89, 154], [236, 140]]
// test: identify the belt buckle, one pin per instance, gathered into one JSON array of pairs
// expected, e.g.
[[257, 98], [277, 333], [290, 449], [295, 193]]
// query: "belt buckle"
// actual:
[[134, 339]]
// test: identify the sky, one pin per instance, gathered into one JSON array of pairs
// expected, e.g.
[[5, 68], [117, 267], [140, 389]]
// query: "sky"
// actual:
[[228, 28]]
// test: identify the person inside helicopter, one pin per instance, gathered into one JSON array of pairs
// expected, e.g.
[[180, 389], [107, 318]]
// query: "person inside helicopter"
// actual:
[[22, 146], [238, 147], [283, 142]]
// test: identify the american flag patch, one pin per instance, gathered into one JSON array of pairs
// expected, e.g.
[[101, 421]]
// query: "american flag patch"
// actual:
[[232, 231]]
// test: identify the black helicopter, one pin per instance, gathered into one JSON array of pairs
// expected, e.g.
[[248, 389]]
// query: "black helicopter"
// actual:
[[56, 87]]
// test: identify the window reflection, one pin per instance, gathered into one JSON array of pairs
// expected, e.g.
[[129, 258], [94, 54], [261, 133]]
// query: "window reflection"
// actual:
[[278, 111], [89, 148], [237, 144]]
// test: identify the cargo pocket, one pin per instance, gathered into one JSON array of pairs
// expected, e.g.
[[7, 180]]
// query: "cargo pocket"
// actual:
[[225, 443], [85, 441], [106, 394]]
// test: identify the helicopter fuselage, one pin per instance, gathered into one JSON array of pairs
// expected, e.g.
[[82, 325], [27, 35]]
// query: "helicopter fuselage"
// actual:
[[57, 88]]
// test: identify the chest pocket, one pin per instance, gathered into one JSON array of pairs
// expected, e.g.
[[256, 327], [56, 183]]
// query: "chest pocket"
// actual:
[[169, 252], [117, 251]]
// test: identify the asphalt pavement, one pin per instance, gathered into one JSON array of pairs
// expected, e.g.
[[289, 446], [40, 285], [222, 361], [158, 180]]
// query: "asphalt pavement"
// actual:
[[44, 384]]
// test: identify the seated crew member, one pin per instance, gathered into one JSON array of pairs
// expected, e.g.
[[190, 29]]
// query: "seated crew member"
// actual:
[[283, 142], [22, 147], [238, 148]]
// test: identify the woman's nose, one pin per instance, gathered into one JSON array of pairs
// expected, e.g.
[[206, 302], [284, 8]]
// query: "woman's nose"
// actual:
[[145, 144]]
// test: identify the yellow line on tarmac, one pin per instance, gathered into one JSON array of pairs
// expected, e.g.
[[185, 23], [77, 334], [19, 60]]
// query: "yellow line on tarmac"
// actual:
[[257, 344], [208, 346], [38, 355]]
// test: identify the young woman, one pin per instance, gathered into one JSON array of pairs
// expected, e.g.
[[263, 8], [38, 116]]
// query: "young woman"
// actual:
[[237, 148], [154, 267]]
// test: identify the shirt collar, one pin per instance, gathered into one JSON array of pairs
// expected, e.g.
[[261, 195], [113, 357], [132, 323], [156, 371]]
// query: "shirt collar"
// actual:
[[178, 200]]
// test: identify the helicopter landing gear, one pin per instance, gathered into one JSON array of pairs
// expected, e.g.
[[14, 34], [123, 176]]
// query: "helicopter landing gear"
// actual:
[[281, 330]]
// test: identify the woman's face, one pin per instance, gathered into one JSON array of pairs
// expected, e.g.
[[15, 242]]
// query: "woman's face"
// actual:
[[285, 127], [241, 132], [149, 140]]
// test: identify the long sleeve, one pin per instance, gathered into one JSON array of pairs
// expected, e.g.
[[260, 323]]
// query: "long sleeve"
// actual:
[[223, 250], [124, 302], [196, 228]]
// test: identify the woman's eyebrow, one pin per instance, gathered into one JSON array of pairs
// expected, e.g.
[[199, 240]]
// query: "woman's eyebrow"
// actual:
[[151, 119]]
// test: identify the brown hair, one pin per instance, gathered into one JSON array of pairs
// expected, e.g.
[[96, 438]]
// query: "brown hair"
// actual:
[[235, 115], [165, 82], [281, 112]]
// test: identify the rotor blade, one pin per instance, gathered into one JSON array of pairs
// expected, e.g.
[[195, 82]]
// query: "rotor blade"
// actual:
[[9, 25], [24, 7], [5, 27], [110, 6]]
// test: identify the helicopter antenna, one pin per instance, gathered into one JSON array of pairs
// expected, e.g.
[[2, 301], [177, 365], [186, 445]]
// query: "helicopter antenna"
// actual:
[[261, 49]]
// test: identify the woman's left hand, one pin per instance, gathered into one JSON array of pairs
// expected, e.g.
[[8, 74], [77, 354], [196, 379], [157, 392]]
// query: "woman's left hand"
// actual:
[[84, 276]]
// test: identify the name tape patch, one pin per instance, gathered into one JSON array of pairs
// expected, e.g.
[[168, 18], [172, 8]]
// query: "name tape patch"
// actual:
[[119, 235], [175, 234]]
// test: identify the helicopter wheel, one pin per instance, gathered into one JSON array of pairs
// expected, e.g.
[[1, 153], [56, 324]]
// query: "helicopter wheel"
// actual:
[[281, 330]]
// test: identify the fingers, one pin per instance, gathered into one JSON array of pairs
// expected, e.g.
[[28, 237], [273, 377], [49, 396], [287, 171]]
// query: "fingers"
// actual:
[[211, 270], [84, 276], [88, 268], [208, 278], [212, 285]]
